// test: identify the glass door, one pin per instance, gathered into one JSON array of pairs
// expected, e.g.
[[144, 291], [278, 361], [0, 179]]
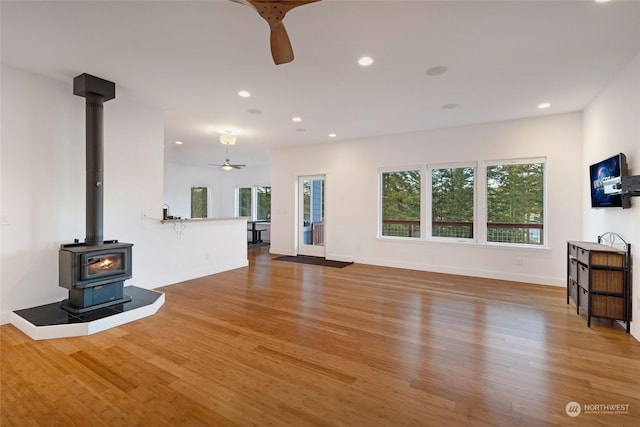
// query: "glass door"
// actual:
[[311, 220]]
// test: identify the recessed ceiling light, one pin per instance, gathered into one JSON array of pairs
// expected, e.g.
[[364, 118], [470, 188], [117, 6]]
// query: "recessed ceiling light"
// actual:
[[332, 135], [436, 71], [297, 119], [365, 61], [254, 111], [602, 1], [544, 105], [244, 94], [449, 106], [178, 142]]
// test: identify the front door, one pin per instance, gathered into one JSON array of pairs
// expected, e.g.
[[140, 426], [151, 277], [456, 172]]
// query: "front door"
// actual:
[[311, 221]]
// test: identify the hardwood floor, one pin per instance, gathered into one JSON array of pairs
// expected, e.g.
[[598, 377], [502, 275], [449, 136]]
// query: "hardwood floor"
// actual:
[[288, 344]]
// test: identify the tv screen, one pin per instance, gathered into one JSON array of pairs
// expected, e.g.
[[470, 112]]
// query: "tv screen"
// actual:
[[603, 177]]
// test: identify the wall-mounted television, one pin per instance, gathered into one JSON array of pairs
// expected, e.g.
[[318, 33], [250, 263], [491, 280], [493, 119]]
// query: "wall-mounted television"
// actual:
[[605, 177]]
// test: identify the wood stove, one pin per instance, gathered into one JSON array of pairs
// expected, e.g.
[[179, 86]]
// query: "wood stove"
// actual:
[[94, 275], [94, 271]]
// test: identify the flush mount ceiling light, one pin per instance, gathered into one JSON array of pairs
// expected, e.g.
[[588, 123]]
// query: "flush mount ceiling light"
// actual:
[[227, 138], [244, 94], [544, 105], [365, 61]]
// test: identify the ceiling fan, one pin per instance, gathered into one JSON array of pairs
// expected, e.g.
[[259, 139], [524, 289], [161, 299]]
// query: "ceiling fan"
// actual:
[[273, 11], [227, 165]]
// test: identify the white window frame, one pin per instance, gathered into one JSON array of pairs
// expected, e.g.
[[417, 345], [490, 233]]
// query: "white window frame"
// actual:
[[545, 227], [254, 200], [383, 170], [236, 208], [429, 198]]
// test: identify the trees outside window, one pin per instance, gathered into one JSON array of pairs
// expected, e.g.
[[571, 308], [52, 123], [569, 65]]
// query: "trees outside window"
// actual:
[[452, 202], [244, 201], [400, 193], [199, 196], [515, 203], [254, 202], [514, 192], [263, 203]]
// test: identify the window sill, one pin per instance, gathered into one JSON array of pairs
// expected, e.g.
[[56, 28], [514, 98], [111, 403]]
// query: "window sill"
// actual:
[[465, 242]]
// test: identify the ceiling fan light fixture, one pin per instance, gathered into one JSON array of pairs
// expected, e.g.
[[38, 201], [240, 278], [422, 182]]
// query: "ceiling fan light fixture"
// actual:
[[227, 167]]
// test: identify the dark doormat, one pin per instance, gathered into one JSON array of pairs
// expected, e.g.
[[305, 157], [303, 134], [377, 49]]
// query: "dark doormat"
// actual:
[[314, 260]]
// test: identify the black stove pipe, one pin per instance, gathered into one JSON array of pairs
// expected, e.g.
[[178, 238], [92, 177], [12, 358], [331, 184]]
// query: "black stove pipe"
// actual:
[[96, 91]]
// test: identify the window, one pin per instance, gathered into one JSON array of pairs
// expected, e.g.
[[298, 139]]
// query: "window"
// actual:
[[263, 202], [244, 201], [199, 202], [515, 202], [400, 203], [254, 202], [452, 202]]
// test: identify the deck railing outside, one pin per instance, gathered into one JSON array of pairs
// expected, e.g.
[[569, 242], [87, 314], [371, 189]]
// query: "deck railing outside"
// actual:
[[501, 232], [318, 233]]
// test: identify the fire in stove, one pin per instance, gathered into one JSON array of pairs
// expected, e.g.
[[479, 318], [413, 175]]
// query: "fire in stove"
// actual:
[[102, 265]]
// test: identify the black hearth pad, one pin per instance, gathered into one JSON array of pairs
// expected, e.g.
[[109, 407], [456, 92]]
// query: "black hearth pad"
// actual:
[[54, 314]]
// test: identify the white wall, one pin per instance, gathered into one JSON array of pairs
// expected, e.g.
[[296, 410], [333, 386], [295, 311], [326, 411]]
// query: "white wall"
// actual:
[[252, 176], [612, 125], [351, 204], [42, 194], [178, 180]]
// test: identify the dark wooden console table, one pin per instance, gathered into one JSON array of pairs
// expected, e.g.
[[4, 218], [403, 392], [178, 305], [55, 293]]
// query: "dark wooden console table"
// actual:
[[599, 278]]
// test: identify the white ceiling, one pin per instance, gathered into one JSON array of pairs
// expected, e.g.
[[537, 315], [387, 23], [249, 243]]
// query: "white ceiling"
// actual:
[[190, 58]]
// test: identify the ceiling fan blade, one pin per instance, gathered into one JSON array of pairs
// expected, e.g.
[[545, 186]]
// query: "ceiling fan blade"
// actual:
[[281, 50], [273, 11]]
